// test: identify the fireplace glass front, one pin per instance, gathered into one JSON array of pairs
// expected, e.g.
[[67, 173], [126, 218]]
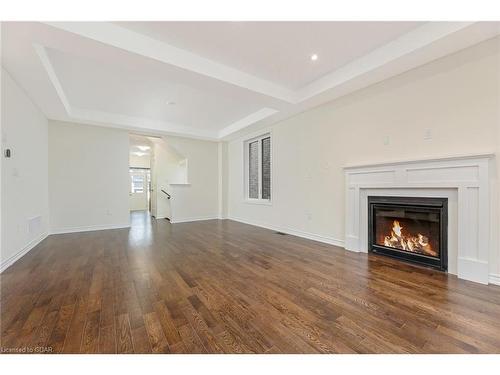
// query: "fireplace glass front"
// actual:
[[410, 228]]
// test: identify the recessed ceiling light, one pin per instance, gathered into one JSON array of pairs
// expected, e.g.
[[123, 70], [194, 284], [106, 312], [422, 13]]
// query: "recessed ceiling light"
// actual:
[[170, 103], [314, 57]]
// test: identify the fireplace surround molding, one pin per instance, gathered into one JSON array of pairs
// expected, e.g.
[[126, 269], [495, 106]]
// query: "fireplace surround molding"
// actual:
[[465, 177]]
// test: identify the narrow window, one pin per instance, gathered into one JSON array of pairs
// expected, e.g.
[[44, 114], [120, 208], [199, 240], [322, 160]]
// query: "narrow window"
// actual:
[[253, 170], [258, 169], [266, 168]]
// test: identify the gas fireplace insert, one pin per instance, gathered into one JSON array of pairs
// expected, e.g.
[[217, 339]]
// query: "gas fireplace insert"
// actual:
[[413, 229]]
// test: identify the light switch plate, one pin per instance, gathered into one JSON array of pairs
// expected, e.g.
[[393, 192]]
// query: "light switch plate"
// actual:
[[427, 134]]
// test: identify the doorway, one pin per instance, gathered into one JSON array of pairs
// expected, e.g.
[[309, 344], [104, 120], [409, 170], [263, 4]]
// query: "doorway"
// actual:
[[140, 189], [140, 173]]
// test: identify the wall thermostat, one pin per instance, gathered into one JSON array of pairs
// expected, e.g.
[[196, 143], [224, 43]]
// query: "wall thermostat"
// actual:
[[7, 153]]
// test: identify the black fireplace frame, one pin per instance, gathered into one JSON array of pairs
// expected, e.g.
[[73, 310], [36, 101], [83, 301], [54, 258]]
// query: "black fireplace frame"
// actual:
[[416, 203]]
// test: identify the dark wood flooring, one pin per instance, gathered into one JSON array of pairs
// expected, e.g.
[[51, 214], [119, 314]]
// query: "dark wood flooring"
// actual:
[[225, 287]]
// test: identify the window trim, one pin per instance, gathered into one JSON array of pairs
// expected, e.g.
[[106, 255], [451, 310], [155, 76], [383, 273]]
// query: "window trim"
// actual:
[[246, 167]]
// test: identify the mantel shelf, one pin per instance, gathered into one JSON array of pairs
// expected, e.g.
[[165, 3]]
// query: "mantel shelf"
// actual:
[[487, 155]]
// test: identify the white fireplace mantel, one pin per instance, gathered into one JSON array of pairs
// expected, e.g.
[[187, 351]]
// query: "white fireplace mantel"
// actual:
[[465, 177]]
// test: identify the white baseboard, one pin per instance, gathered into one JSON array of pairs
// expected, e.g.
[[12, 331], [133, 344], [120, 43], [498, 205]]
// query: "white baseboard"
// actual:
[[88, 228], [188, 219], [473, 270], [294, 232], [14, 258], [159, 217], [494, 279]]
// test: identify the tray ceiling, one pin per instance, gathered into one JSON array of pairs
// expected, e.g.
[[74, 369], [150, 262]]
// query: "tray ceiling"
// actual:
[[213, 80]]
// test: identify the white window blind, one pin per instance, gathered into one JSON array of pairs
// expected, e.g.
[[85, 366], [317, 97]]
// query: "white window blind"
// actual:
[[258, 169]]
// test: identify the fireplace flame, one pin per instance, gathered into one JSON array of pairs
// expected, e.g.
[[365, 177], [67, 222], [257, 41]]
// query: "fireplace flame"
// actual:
[[397, 228], [416, 244]]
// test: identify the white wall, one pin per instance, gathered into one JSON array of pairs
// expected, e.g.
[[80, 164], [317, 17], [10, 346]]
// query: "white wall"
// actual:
[[174, 165], [223, 179], [496, 223], [88, 177], [140, 161], [165, 163], [24, 176], [456, 98], [199, 197]]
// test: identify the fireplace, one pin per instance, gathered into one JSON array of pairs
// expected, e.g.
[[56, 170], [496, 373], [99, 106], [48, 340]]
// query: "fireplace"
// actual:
[[409, 228]]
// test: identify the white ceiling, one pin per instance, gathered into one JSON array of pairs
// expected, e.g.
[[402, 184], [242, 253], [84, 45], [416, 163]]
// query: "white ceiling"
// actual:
[[140, 144], [277, 51], [223, 77], [135, 86]]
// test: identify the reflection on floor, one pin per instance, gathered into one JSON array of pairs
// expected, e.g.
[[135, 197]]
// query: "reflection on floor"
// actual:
[[225, 287]]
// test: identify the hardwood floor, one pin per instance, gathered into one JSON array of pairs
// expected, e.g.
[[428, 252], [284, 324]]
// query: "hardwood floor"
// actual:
[[225, 287]]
